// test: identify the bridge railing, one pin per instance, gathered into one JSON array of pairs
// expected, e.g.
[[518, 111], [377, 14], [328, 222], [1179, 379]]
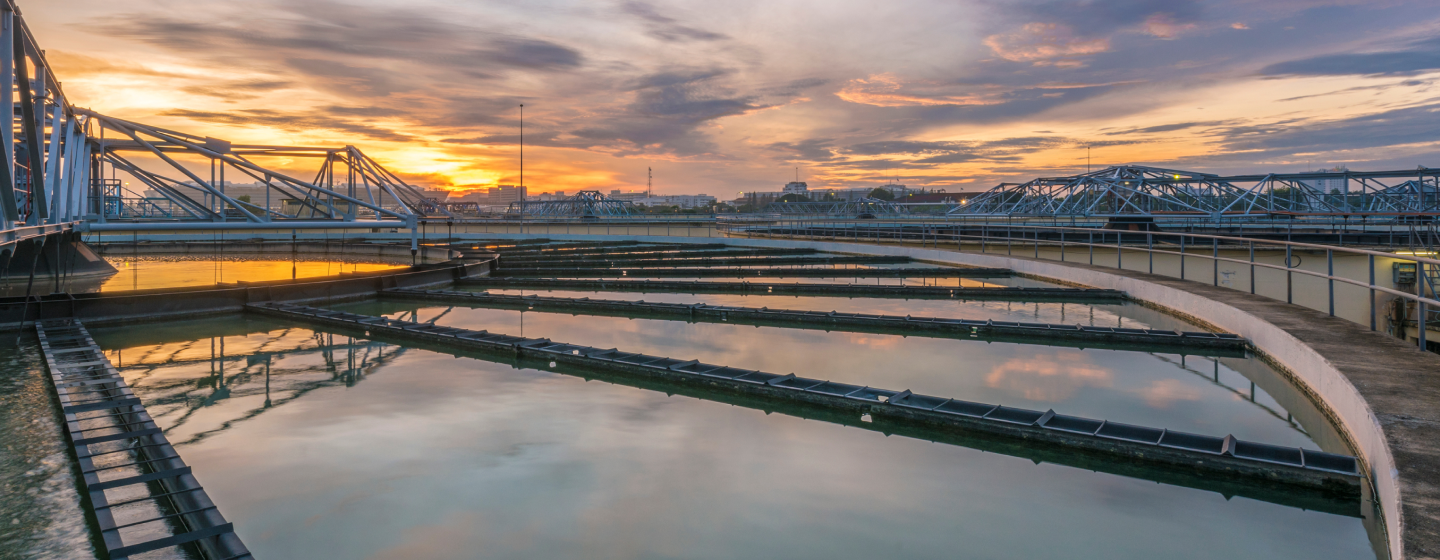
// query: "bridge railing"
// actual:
[[1060, 243]]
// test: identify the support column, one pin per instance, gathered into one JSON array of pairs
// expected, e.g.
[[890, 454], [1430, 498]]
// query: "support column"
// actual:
[[31, 135], [52, 163], [69, 177], [9, 211]]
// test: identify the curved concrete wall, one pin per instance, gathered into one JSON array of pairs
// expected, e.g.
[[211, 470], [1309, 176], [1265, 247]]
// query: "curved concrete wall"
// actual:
[[1319, 376]]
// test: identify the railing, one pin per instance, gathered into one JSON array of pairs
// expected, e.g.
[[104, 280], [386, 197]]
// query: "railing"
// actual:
[[23, 233], [592, 219], [1118, 242]]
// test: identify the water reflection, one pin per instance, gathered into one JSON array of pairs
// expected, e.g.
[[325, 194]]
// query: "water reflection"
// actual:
[[1145, 388], [143, 272], [1124, 315], [40, 515], [202, 386], [434, 457]]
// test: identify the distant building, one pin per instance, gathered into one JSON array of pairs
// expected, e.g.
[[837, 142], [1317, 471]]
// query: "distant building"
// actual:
[[480, 196], [795, 187], [896, 189], [505, 194], [1331, 184], [846, 195], [630, 196], [756, 199], [499, 195], [936, 198], [682, 200], [435, 194]]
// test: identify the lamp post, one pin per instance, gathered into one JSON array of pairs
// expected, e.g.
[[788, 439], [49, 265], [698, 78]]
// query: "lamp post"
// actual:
[[522, 171]]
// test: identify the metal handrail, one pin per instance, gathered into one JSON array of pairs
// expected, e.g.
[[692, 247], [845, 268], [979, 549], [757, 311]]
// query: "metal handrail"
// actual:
[[898, 231]]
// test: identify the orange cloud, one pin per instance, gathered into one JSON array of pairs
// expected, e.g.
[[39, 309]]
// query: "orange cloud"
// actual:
[[1164, 392], [886, 90], [1046, 44], [1164, 26]]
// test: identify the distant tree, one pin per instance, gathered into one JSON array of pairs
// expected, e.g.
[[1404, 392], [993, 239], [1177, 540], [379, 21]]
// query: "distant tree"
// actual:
[[243, 198], [829, 197], [792, 197], [882, 194]]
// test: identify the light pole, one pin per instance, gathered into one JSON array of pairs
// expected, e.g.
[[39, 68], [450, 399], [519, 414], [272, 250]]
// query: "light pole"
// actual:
[[521, 198], [522, 151]]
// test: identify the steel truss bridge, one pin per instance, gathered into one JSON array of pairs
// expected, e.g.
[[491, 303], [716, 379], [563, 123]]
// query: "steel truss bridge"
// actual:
[[1129, 190], [860, 208], [584, 205], [68, 168]]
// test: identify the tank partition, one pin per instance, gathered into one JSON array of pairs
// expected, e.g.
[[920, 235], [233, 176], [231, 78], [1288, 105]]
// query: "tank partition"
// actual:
[[1159, 340], [935, 272], [1262, 463], [997, 293]]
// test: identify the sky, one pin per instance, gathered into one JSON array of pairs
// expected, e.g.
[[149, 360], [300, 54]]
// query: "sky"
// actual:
[[744, 95]]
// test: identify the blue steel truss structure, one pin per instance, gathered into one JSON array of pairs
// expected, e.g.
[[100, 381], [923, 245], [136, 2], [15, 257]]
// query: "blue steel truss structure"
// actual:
[[860, 208], [585, 204], [1131, 190]]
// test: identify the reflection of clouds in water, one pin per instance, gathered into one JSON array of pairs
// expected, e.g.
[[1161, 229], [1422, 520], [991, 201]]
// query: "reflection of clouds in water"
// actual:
[[452, 538], [872, 340], [1164, 392], [1049, 378]]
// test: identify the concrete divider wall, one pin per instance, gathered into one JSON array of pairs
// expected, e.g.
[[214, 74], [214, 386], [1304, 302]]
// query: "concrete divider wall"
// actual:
[[1316, 375]]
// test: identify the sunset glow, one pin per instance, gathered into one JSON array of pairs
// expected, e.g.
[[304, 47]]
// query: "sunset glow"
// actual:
[[727, 97]]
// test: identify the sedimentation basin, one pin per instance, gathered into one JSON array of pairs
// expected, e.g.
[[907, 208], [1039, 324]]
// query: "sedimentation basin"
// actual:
[[336, 293]]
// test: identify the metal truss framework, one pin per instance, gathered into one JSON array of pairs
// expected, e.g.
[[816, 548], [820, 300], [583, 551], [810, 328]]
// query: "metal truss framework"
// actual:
[[585, 204], [863, 207], [47, 160], [349, 186], [1151, 191], [58, 156]]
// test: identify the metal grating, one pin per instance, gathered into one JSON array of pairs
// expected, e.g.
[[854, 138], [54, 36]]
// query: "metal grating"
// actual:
[[141, 493]]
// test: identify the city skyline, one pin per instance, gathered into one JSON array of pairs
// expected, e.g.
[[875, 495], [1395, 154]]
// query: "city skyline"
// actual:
[[722, 98]]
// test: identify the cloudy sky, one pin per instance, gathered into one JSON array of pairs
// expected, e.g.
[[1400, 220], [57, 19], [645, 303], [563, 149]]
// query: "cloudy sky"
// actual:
[[721, 97]]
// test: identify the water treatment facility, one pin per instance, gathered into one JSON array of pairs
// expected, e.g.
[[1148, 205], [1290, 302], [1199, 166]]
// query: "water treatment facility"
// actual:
[[1131, 362]]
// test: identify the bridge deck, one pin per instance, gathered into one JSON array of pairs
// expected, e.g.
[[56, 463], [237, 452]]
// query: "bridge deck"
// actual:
[[141, 494], [1221, 456]]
